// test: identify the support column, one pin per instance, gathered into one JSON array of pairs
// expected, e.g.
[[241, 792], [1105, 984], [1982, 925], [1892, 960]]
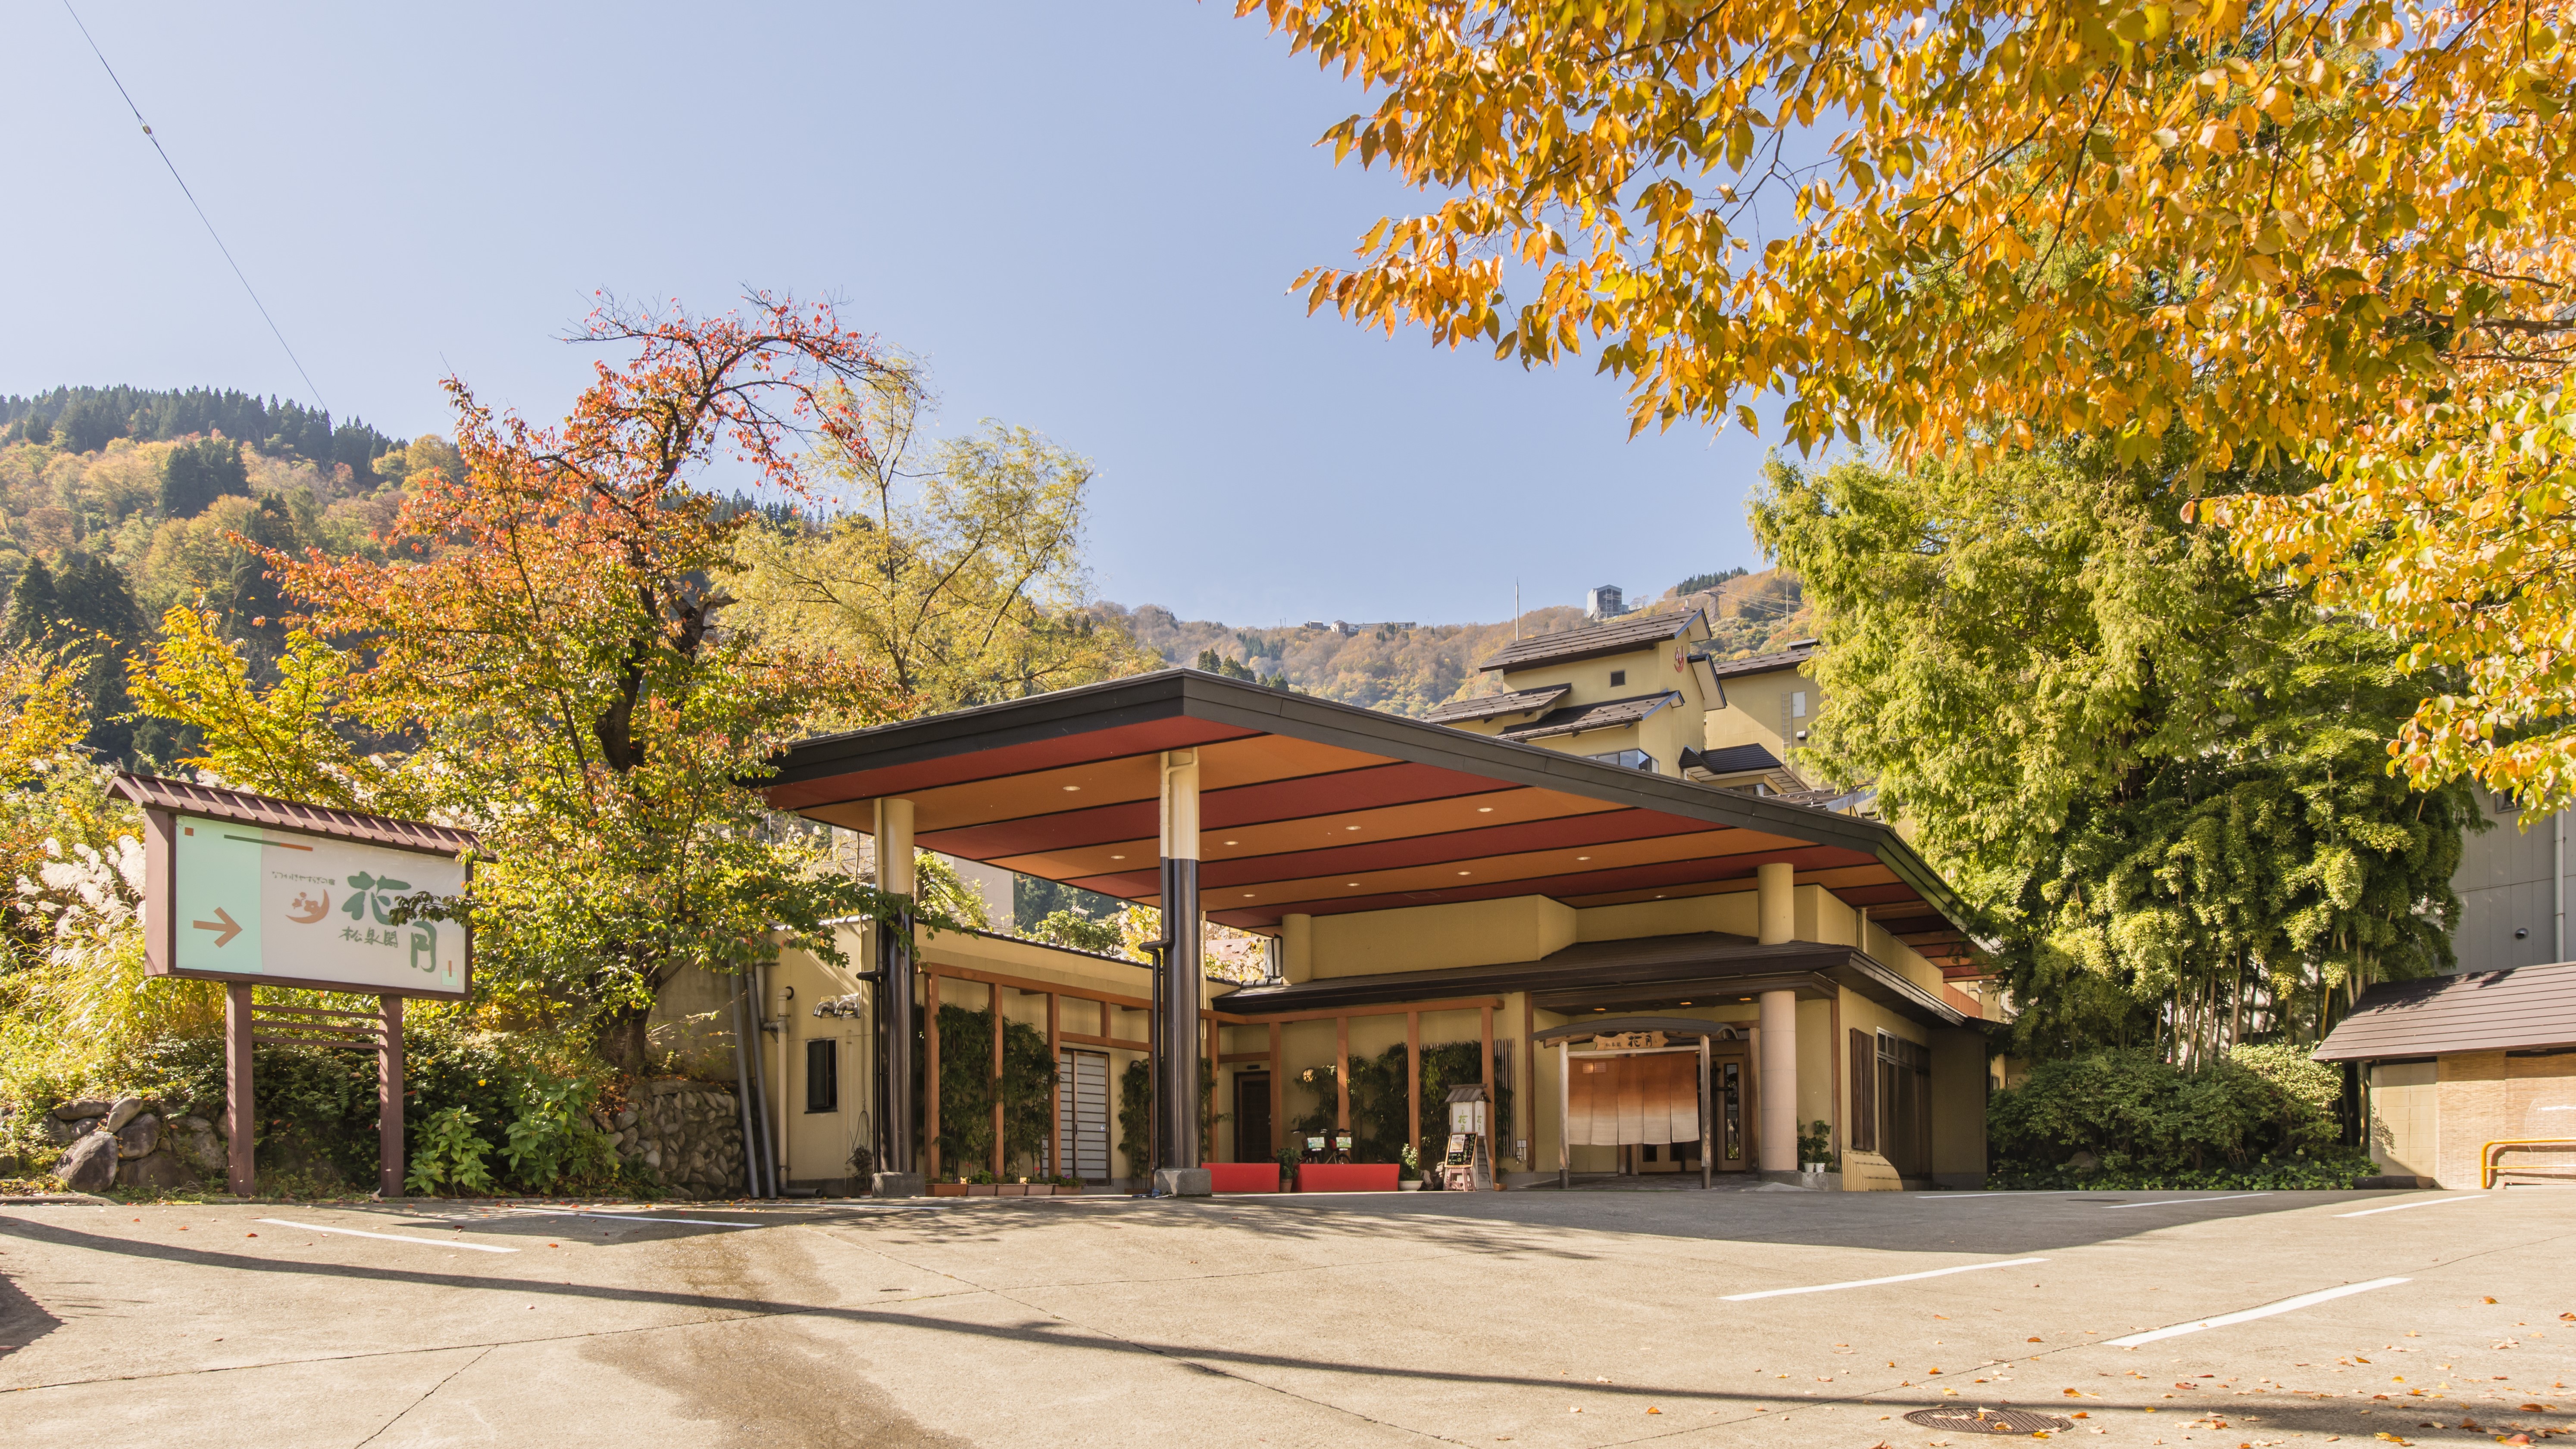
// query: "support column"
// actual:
[[241, 1170], [1413, 1083], [930, 1074], [1216, 1064], [1493, 1107], [1055, 1154], [389, 1099], [1296, 948], [1779, 1080], [1176, 1076], [898, 1172], [993, 999], [1341, 1076], [1776, 883]]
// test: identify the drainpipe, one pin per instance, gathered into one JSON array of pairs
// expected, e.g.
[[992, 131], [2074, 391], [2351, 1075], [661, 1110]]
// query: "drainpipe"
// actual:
[[758, 1142], [742, 1097], [2558, 886], [786, 1015]]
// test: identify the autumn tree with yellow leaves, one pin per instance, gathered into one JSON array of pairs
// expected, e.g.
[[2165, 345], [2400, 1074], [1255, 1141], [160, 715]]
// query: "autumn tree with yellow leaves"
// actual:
[[2303, 234]]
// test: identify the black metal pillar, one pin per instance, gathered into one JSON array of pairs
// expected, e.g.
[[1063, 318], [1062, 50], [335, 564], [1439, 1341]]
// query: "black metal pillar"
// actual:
[[1176, 1040], [894, 986]]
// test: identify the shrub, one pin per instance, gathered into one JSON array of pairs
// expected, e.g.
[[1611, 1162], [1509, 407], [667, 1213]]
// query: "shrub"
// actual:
[[449, 1154], [966, 1089], [2124, 1118]]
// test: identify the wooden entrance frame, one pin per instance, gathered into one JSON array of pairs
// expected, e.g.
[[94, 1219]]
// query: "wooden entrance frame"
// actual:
[[1564, 1037]]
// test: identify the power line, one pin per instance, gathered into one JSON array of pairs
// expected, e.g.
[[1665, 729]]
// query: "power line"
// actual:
[[200, 210]]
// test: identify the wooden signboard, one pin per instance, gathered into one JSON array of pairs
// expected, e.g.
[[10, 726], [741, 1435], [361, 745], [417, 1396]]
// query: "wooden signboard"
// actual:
[[250, 890]]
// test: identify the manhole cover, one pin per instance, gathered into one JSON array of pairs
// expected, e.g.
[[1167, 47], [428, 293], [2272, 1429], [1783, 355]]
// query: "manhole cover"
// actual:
[[1987, 1421]]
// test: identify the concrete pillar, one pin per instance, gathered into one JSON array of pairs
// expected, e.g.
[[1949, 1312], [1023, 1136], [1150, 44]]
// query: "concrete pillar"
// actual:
[[1778, 901], [1176, 1075], [1779, 1078], [897, 1172], [1296, 948]]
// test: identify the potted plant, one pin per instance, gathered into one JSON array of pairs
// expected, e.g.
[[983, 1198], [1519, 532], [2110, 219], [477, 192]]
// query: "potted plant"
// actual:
[[1287, 1169], [1816, 1147], [947, 1188], [1017, 1187], [1067, 1186], [983, 1185], [1410, 1180]]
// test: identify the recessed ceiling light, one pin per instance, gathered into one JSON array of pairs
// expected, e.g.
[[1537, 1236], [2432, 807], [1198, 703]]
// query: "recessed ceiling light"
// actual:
[[1484, 809], [1069, 789], [1465, 872], [1231, 842], [1350, 827], [1744, 998], [1583, 857], [1350, 882], [1685, 1003], [1117, 857], [1247, 895], [1600, 1008], [1659, 897]]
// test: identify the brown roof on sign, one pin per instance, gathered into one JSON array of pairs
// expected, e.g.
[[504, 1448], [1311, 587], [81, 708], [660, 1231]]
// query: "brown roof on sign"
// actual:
[[1617, 636], [1789, 658], [1495, 706], [155, 793], [2479, 1011], [1316, 808], [1608, 714]]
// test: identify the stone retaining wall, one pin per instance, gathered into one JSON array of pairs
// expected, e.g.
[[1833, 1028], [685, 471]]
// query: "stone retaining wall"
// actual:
[[687, 1134], [130, 1142]]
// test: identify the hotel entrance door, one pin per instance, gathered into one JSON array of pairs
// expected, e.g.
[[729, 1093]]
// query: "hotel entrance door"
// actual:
[[1252, 1142]]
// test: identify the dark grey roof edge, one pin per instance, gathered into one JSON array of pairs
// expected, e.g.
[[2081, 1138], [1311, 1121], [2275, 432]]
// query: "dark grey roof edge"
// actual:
[[1577, 647], [1170, 693]]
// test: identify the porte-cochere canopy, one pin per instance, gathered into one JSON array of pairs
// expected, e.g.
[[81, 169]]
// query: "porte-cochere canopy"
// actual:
[[1318, 808]]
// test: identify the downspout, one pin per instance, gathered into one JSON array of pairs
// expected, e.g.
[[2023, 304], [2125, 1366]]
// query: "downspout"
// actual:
[[742, 1098], [2558, 887], [786, 1074], [758, 1145]]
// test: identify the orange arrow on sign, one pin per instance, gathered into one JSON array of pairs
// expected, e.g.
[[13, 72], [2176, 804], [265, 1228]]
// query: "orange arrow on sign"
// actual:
[[224, 926]]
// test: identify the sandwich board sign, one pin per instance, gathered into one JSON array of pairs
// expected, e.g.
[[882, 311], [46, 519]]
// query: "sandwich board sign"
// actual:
[[250, 890]]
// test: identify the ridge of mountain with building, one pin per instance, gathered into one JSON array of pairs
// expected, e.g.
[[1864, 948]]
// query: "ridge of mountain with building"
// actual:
[[1411, 668]]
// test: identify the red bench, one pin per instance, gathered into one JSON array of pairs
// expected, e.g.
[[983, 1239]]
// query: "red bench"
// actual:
[[1347, 1177], [1243, 1176]]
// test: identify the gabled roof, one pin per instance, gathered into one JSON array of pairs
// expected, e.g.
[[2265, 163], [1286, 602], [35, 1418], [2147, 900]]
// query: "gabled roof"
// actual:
[[1789, 658], [1624, 635], [1495, 706], [1312, 807], [2480, 1011], [1605, 715], [153, 792]]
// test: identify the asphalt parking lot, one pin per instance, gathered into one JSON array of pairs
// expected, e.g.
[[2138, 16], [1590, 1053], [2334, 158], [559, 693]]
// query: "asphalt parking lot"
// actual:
[[1533, 1318]]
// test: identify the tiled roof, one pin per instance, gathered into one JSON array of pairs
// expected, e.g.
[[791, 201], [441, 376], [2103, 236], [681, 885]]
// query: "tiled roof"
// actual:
[[2529, 1006], [156, 793], [1608, 714], [1789, 658], [1495, 706], [1624, 635]]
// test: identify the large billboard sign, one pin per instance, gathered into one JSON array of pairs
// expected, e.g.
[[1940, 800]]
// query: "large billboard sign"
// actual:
[[242, 888]]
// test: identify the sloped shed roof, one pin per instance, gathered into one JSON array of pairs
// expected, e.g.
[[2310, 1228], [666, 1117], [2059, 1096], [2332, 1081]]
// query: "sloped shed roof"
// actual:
[[2479, 1011]]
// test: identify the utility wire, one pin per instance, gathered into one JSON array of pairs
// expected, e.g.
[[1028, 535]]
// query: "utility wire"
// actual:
[[201, 211]]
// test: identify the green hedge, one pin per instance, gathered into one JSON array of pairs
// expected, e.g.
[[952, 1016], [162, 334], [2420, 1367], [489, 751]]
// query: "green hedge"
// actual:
[[2261, 1117]]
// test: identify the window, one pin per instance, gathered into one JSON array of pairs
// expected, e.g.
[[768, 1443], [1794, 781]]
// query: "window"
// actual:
[[1618, 678], [1630, 759], [823, 1075], [1798, 705]]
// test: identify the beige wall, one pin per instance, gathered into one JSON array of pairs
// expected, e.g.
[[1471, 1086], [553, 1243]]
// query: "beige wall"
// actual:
[[1758, 706], [1432, 938], [1730, 911], [2484, 1097], [1958, 1090]]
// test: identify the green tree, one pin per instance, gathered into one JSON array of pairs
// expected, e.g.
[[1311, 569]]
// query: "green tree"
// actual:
[[957, 568], [195, 474], [2162, 784]]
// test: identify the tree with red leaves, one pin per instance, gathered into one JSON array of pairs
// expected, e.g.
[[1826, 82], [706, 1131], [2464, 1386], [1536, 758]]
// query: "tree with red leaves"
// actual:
[[547, 626]]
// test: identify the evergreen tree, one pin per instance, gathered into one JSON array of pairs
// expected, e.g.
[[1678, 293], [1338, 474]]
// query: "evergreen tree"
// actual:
[[32, 606], [196, 474], [88, 424]]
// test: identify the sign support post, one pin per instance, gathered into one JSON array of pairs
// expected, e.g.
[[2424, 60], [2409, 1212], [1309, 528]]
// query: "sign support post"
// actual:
[[241, 1177], [389, 1100]]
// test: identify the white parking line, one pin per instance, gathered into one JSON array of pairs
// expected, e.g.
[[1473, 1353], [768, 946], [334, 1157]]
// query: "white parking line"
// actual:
[[390, 1237], [1956, 1196], [1874, 1282], [2182, 1201], [2403, 1206], [2267, 1310], [633, 1218]]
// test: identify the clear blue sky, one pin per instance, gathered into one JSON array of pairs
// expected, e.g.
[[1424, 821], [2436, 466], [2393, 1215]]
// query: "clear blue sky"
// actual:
[[1085, 215]]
